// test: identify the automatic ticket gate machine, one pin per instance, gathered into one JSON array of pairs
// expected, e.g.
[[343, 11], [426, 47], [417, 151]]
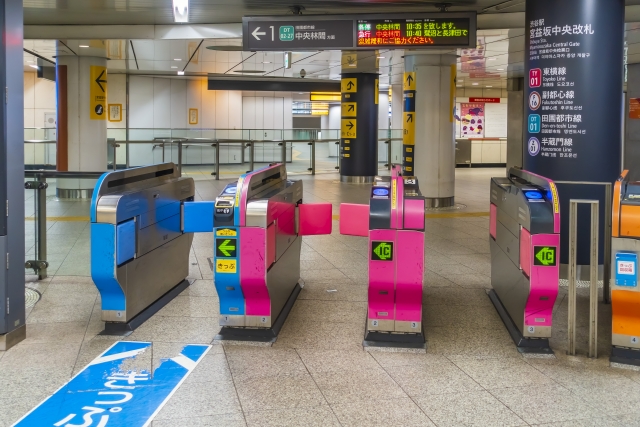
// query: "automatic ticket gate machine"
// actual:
[[139, 253], [395, 228], [258, 224], [625, 247], [525, 248]]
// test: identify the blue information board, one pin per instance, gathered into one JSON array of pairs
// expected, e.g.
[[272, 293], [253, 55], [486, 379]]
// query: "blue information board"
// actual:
[[103, 395]]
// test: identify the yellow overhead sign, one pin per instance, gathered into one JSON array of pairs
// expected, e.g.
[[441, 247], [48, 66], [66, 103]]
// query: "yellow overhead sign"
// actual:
[[349, 85], [348, 129], [409, 82], [98, 93], [349, 109]]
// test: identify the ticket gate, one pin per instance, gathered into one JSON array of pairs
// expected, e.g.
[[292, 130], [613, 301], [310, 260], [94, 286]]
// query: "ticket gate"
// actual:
[[625, 247], [525, 246], [139, 253], [396, 214], [258, 224]]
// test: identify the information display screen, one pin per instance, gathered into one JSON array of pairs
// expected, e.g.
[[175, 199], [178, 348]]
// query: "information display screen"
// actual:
[[414, 32]]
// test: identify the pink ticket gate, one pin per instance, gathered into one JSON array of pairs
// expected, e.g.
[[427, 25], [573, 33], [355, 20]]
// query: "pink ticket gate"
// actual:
[[524, 234], [395, 228], [258, 224]]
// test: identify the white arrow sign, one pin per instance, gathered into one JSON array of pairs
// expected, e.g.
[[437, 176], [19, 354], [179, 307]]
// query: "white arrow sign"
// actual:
[[256, 33]]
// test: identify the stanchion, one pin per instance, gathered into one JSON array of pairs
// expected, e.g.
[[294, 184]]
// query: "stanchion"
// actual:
[[593, 289]]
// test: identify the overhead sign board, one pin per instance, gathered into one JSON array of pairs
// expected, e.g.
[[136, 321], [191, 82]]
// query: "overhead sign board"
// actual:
[[359, 32]]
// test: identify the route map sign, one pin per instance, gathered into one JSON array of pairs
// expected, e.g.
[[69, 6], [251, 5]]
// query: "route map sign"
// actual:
[[359, 32]]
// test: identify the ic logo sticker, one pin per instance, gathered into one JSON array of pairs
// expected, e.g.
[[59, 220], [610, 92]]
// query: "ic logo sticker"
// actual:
[[534, 146]]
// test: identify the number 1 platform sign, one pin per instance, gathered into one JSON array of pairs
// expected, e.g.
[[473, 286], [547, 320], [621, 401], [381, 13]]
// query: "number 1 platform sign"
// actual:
[[104, 395]]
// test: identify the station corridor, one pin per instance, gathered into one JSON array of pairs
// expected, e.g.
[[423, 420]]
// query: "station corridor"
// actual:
[[317, 373]]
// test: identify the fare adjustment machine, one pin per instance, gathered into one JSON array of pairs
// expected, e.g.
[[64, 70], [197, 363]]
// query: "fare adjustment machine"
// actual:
[[395, 228], [258, 223], [525, 247], [625, 247]]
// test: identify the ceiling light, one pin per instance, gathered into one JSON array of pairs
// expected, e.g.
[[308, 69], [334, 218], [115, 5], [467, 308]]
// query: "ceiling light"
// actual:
[[500, 69], [177, 59], [300, 93], [181, 73], [83, 45], [180, 10], [489, 86], [380, 57], [492, 59], [266, 62], [174, 66], [34, 66], [475, 84]]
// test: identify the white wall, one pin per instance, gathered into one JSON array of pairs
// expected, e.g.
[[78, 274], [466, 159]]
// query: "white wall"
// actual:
[[383, 110], [39, 98]]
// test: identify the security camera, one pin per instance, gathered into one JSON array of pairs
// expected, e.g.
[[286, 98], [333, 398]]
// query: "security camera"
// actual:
[[303, 73]]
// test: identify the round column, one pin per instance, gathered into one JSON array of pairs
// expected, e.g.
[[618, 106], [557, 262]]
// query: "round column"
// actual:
[[433, 101], [359, 118], [81, 83], [573, 104]]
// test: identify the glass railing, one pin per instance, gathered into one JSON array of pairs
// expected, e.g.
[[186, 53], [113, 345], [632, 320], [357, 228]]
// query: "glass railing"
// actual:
[[219, 152]]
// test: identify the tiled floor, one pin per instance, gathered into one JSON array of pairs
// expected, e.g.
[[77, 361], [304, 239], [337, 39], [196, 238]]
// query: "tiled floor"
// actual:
[[317, 373]]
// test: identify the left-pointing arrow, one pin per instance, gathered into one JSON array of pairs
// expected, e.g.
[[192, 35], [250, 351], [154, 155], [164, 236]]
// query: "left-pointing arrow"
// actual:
[[256, 33], [99, 80], [226, 248]]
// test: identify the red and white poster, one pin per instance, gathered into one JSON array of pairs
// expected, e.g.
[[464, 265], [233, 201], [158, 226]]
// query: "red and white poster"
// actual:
[[472, 120]]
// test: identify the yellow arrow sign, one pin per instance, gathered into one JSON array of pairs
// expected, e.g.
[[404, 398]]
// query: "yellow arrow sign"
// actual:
[[98, 93], [349, 109], [349, 85], [409, 82], [409, 128], [348, 129]]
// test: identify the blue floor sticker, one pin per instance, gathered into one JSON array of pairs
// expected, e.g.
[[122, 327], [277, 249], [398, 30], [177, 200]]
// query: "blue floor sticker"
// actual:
[[102, 395]]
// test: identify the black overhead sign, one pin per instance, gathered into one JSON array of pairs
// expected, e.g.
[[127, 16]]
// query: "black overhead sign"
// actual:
[[359, 32]]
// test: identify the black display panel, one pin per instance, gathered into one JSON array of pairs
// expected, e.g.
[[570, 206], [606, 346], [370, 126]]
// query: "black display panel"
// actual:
[[359, 32], [411, 32]]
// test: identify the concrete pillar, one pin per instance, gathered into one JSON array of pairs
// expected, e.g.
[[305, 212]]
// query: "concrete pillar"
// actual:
[[515, 126], [434, 151], [359, 118], [12, 192], [82, 115]]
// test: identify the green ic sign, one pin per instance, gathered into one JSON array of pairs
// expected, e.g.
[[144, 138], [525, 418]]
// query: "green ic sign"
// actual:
[[226, 248], [544, 256], [286, 33], [382, 251]]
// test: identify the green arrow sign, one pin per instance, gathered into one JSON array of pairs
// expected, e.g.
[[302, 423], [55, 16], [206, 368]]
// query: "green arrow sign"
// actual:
[[382, 251], [544, 256], [226, 248]]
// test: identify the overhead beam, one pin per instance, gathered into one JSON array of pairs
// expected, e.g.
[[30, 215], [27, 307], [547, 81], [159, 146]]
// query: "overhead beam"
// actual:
[[134, 32]]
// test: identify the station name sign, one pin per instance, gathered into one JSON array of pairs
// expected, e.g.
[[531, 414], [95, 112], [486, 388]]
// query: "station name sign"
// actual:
[[359, 32]]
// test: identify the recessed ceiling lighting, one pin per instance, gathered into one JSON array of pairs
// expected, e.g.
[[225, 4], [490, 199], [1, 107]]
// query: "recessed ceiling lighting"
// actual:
[[300, 93], [353, 65], [177, 59], [266, 62], [380, 57], [180, 10], [181, 73], [492, 59], [174, 66], [34, 66], [475, 84], [83, 45], [489, 86], [500, 69]]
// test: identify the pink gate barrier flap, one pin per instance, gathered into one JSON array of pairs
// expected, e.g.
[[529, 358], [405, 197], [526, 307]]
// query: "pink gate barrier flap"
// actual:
[[381, 278], [354, 219], [253, 271], [409, 274], [544, 284], [315, 219]]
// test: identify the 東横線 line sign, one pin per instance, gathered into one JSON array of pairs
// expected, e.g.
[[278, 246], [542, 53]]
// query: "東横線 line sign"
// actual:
[[359, 32]]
